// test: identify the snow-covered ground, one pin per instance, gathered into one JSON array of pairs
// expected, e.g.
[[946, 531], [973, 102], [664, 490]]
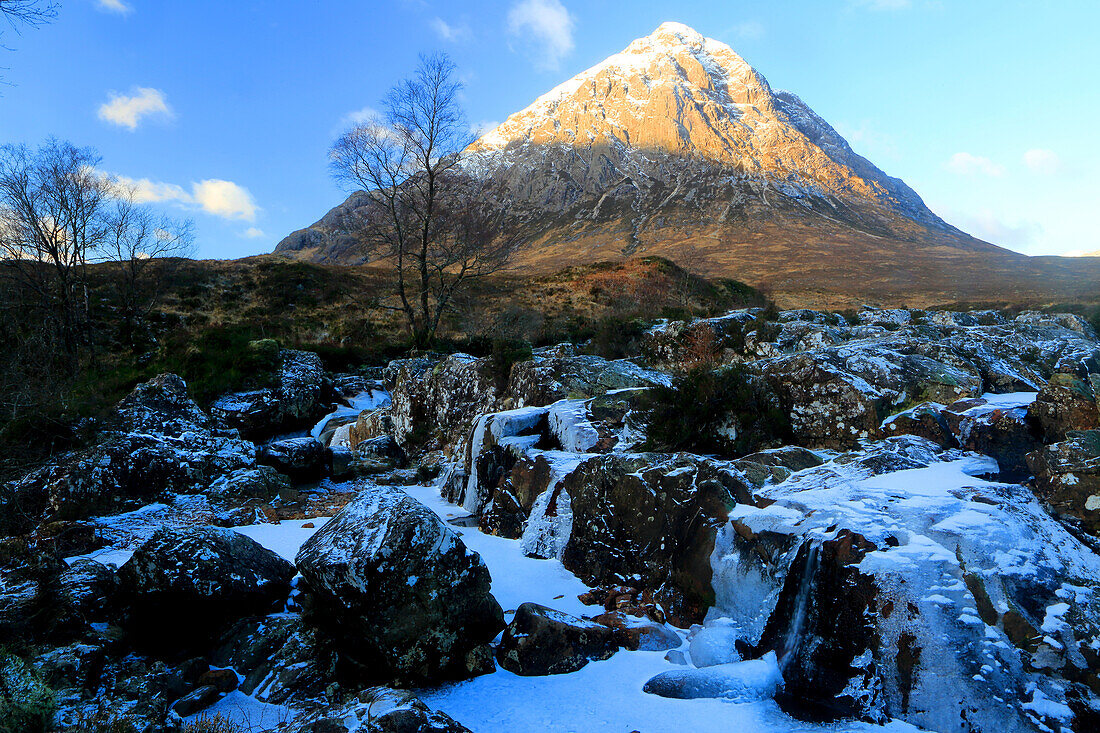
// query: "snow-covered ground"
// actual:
[[603, 696]]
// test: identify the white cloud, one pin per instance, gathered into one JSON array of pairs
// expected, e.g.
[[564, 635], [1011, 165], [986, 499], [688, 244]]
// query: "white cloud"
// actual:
[[128, 111], [987, 225], [113, 6], [361, 116], [868, 141], [145, 191], [966, 164], [449, 32], [546, 24], [253, 233], [1041, 160], [749, 30], [225, 199]]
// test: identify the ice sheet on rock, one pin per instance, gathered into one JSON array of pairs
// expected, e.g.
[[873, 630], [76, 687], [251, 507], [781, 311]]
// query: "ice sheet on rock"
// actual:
[[372, 399], [495, 425], [570, 425], [935, 525], [1007, 401], [546, 533], [749, 681], [246, 712]]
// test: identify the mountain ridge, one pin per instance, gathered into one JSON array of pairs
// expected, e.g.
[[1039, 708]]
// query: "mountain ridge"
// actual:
[[677, 147]]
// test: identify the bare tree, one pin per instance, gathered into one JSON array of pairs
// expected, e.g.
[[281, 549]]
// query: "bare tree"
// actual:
[[30, 13], [437, 225], [58, 216], [141, 246], [51, 226], [27, 12]]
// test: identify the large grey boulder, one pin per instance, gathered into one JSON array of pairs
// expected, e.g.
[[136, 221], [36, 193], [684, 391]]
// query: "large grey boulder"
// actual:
[[303, 459], [182, 585], [398, 591]]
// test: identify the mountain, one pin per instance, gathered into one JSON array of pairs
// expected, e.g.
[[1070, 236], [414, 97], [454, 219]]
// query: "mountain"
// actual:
[[677, 147]]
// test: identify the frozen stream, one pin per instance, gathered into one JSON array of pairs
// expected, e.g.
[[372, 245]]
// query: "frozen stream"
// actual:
[[603, 696]]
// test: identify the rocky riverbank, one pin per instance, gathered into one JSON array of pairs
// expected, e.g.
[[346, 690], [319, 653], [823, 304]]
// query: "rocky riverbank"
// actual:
[[910, 541]]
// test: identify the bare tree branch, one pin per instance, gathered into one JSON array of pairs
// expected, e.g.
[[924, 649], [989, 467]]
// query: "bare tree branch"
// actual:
[[435, 224]]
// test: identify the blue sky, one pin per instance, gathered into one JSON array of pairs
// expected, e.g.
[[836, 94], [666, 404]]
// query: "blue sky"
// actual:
[[223, 111]]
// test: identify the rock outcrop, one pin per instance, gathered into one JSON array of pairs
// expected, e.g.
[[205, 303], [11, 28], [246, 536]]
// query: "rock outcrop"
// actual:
[[398, 590], [300, 394], [183, 585], [542, 641], [1067, 477]]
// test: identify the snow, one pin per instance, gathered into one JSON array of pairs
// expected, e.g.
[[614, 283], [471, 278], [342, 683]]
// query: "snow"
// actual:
[[603, 695], [607, 696], [247, 712], [516, 578], [1009, 401], [283, 538], [372, 399]]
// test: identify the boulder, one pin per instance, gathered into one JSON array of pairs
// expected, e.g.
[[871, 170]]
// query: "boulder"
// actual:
[[548, 379], [837, 396], [542, 641], [143, 456], [371, 424], [160, 406], [1067, 478], [394, 712], [435, 401], [398, 591], [302, 459], [648, 520], [639, 634], [999, 430], [87, 588], [183, 585], [379, 455], [1067, 402], [301, 393], [926, 420], [197, 700], [257, 484]]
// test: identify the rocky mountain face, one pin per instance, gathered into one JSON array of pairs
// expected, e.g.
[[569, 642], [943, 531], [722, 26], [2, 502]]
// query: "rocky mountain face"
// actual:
[[677, 147]]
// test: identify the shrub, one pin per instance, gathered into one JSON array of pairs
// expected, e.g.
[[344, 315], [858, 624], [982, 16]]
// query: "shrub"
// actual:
[[503, 354], [26, 704], [617, 338], [220, 359], [696, 413], [212, 724], [102, 721]]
